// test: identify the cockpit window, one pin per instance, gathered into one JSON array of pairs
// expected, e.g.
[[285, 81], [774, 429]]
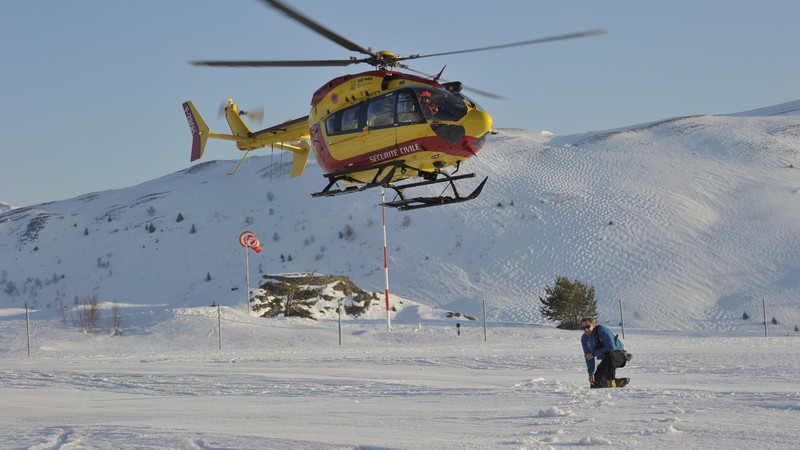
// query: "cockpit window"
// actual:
[[440, 104]]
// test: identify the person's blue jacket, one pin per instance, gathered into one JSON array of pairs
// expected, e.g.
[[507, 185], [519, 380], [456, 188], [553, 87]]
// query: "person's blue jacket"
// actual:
[[590, 344]]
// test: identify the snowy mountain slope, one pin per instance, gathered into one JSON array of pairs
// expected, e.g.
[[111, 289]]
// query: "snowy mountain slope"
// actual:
[[688, 221], [5, 207]]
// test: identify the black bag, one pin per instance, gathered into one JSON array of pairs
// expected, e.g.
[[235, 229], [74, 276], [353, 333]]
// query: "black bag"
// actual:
[[621, 357], [627, 355]]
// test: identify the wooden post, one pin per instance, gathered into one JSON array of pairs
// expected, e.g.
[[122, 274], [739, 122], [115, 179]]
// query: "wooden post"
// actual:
[[764, 308], [621, 319], [340, 321]]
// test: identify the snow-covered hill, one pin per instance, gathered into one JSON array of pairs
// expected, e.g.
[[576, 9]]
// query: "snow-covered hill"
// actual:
[[689, 222], [5, 207]]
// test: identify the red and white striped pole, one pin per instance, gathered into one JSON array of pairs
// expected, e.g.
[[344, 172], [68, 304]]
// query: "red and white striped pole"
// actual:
[[385, 260]]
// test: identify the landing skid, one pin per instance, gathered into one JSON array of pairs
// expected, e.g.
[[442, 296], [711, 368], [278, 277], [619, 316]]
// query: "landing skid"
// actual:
[[405, 203], [383, 177], [385, 173]]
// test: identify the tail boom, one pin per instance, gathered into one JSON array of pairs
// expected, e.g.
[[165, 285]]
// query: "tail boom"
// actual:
[[290, 136]]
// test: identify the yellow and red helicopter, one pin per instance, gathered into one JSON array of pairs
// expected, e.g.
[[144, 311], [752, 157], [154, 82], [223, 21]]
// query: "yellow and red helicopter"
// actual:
[[375, 128]]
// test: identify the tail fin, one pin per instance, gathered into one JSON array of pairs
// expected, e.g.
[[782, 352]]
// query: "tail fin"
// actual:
[[198, 128], [235, 122]]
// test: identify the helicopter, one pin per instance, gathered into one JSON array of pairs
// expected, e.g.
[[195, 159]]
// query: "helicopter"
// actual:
[[381, 127]]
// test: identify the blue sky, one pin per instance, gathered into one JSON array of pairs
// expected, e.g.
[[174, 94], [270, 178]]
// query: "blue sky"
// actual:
[[91, 89]]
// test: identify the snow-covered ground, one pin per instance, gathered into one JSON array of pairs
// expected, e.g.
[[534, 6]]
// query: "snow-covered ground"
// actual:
[[288, 384]]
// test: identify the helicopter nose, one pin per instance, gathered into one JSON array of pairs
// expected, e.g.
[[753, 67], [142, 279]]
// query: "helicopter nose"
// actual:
[[477, 123]]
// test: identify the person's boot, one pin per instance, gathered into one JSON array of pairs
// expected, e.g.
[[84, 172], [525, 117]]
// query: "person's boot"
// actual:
[[598, 384], [622, 382]]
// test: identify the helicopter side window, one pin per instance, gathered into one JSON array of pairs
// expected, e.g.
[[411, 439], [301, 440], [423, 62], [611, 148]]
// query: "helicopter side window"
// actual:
[[350, 119], [344, 121], [332, 124], [380, 112], [407, 109]]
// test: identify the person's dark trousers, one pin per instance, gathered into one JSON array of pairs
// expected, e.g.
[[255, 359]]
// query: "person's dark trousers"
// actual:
[[607, 370]]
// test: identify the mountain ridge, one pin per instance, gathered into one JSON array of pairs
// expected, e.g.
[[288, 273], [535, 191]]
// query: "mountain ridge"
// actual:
[[688, 222]]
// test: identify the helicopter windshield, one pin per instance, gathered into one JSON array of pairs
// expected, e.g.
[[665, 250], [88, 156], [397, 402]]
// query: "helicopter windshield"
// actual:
[[440, 104]]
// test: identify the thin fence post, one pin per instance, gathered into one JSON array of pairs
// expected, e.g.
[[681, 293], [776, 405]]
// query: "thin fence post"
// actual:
[[219, 325], [28, 329], [621, 319], [485, 338]]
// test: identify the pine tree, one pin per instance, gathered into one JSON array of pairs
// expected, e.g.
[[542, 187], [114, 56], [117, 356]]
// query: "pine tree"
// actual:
[[745, 316], [567, 302]]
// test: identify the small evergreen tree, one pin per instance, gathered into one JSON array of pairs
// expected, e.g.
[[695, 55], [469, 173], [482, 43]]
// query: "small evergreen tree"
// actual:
[[180, 218], [208, 276], [774, 320], [85, 231], [795, 329], [567, 302], [349, 233], [193, 230], [745, 316]]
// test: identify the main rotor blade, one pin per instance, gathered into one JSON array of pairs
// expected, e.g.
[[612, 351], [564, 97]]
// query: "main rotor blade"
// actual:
[[297, 63], [560, 37], [298, 16]]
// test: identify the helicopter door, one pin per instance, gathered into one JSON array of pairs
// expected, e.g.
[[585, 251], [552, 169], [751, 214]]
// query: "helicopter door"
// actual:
[[411, 125], [379, 133]]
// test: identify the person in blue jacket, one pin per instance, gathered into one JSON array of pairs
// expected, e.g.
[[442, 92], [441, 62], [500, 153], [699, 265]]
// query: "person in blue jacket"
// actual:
[[599, 342]]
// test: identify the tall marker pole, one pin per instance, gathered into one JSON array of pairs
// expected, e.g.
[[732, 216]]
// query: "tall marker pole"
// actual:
[[385, 259], [247, 276]]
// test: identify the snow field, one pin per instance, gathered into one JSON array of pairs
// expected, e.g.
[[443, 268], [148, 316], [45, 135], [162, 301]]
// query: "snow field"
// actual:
[[288, 384]]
